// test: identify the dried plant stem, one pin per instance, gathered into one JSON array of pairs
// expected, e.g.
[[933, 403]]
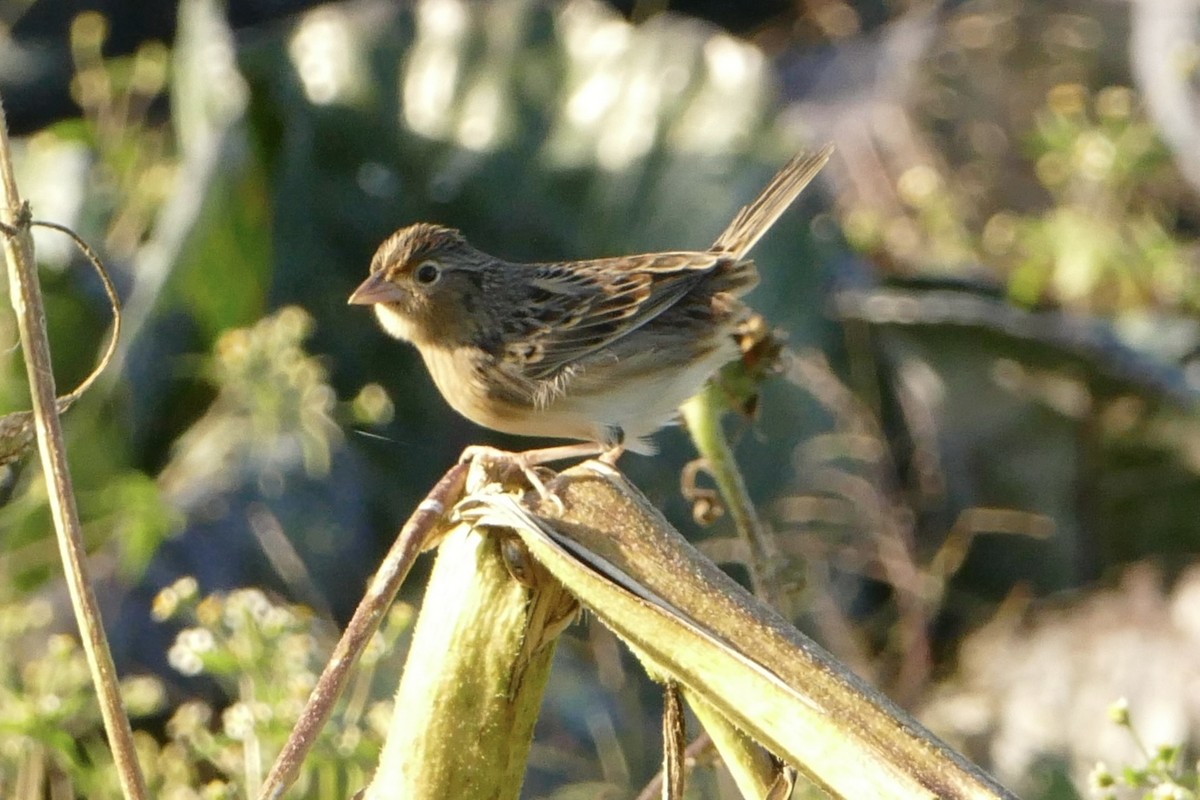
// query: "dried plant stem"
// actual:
[[114, 302], [413, 539], [674, 728], [688, 621], [26, 297], [700, 748], [703, 416]]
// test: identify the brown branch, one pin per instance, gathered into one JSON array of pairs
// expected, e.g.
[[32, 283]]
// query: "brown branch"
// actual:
[[26, 296]]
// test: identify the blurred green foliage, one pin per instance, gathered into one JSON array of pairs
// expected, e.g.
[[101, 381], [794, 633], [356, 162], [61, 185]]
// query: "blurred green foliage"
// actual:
[[264, 654], [256, 431]]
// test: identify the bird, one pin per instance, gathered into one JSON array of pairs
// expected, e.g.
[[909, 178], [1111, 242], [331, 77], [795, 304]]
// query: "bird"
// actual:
[[601, 351]]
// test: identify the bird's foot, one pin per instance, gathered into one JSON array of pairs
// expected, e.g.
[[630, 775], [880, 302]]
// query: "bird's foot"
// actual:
[[526, 461], [520, 462]]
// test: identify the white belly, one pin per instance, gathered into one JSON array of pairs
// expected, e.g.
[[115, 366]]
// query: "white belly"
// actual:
[[643, 404], [639, 395]]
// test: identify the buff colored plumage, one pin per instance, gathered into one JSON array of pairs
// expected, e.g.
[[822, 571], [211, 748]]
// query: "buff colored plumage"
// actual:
[[603, 351]]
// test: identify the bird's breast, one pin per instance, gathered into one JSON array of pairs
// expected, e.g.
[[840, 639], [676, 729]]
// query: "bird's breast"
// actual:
[[475, 387]]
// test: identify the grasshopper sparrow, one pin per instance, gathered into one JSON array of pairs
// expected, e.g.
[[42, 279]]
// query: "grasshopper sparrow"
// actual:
[[602, 351]]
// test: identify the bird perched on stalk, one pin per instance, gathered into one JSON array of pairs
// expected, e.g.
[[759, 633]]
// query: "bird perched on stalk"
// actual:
[[603, 350]]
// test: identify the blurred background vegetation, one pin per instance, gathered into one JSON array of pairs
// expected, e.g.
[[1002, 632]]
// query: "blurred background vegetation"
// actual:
[[981, 458]]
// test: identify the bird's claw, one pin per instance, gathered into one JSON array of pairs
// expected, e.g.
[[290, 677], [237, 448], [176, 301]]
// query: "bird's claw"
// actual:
[[517, 461]]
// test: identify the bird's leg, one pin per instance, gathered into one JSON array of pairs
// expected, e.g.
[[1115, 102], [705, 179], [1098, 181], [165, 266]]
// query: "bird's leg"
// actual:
[[613, 446], [560, 452], [611, 455]]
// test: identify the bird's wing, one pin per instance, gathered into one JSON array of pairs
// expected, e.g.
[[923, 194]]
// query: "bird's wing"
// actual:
[[575, 310]]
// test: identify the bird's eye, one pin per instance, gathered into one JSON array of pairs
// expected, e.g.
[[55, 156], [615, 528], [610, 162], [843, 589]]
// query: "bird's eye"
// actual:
[[428, 273]]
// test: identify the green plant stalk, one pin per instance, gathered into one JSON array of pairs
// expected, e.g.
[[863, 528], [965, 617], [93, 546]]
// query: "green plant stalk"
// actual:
[[417, 533], [687, 620], [473, 681], [702, 413], [748, 762], [26, 296]]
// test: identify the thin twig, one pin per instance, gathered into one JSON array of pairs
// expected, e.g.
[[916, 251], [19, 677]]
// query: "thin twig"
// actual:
[[674, 742], [26, 297], [412, 540], [113, 300], [701, 747], [17, 427], [878, 502]]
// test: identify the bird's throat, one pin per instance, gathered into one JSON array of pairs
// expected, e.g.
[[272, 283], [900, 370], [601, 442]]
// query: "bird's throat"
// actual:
[[398, 324]]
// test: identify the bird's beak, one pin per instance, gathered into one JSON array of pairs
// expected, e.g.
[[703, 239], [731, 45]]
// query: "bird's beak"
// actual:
[[376, 289]]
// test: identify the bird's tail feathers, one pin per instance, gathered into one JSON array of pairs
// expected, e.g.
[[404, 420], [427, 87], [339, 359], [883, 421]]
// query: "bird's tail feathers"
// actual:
[[757, 218]]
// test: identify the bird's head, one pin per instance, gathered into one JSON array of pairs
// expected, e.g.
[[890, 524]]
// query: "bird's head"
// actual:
[[426, 284]]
